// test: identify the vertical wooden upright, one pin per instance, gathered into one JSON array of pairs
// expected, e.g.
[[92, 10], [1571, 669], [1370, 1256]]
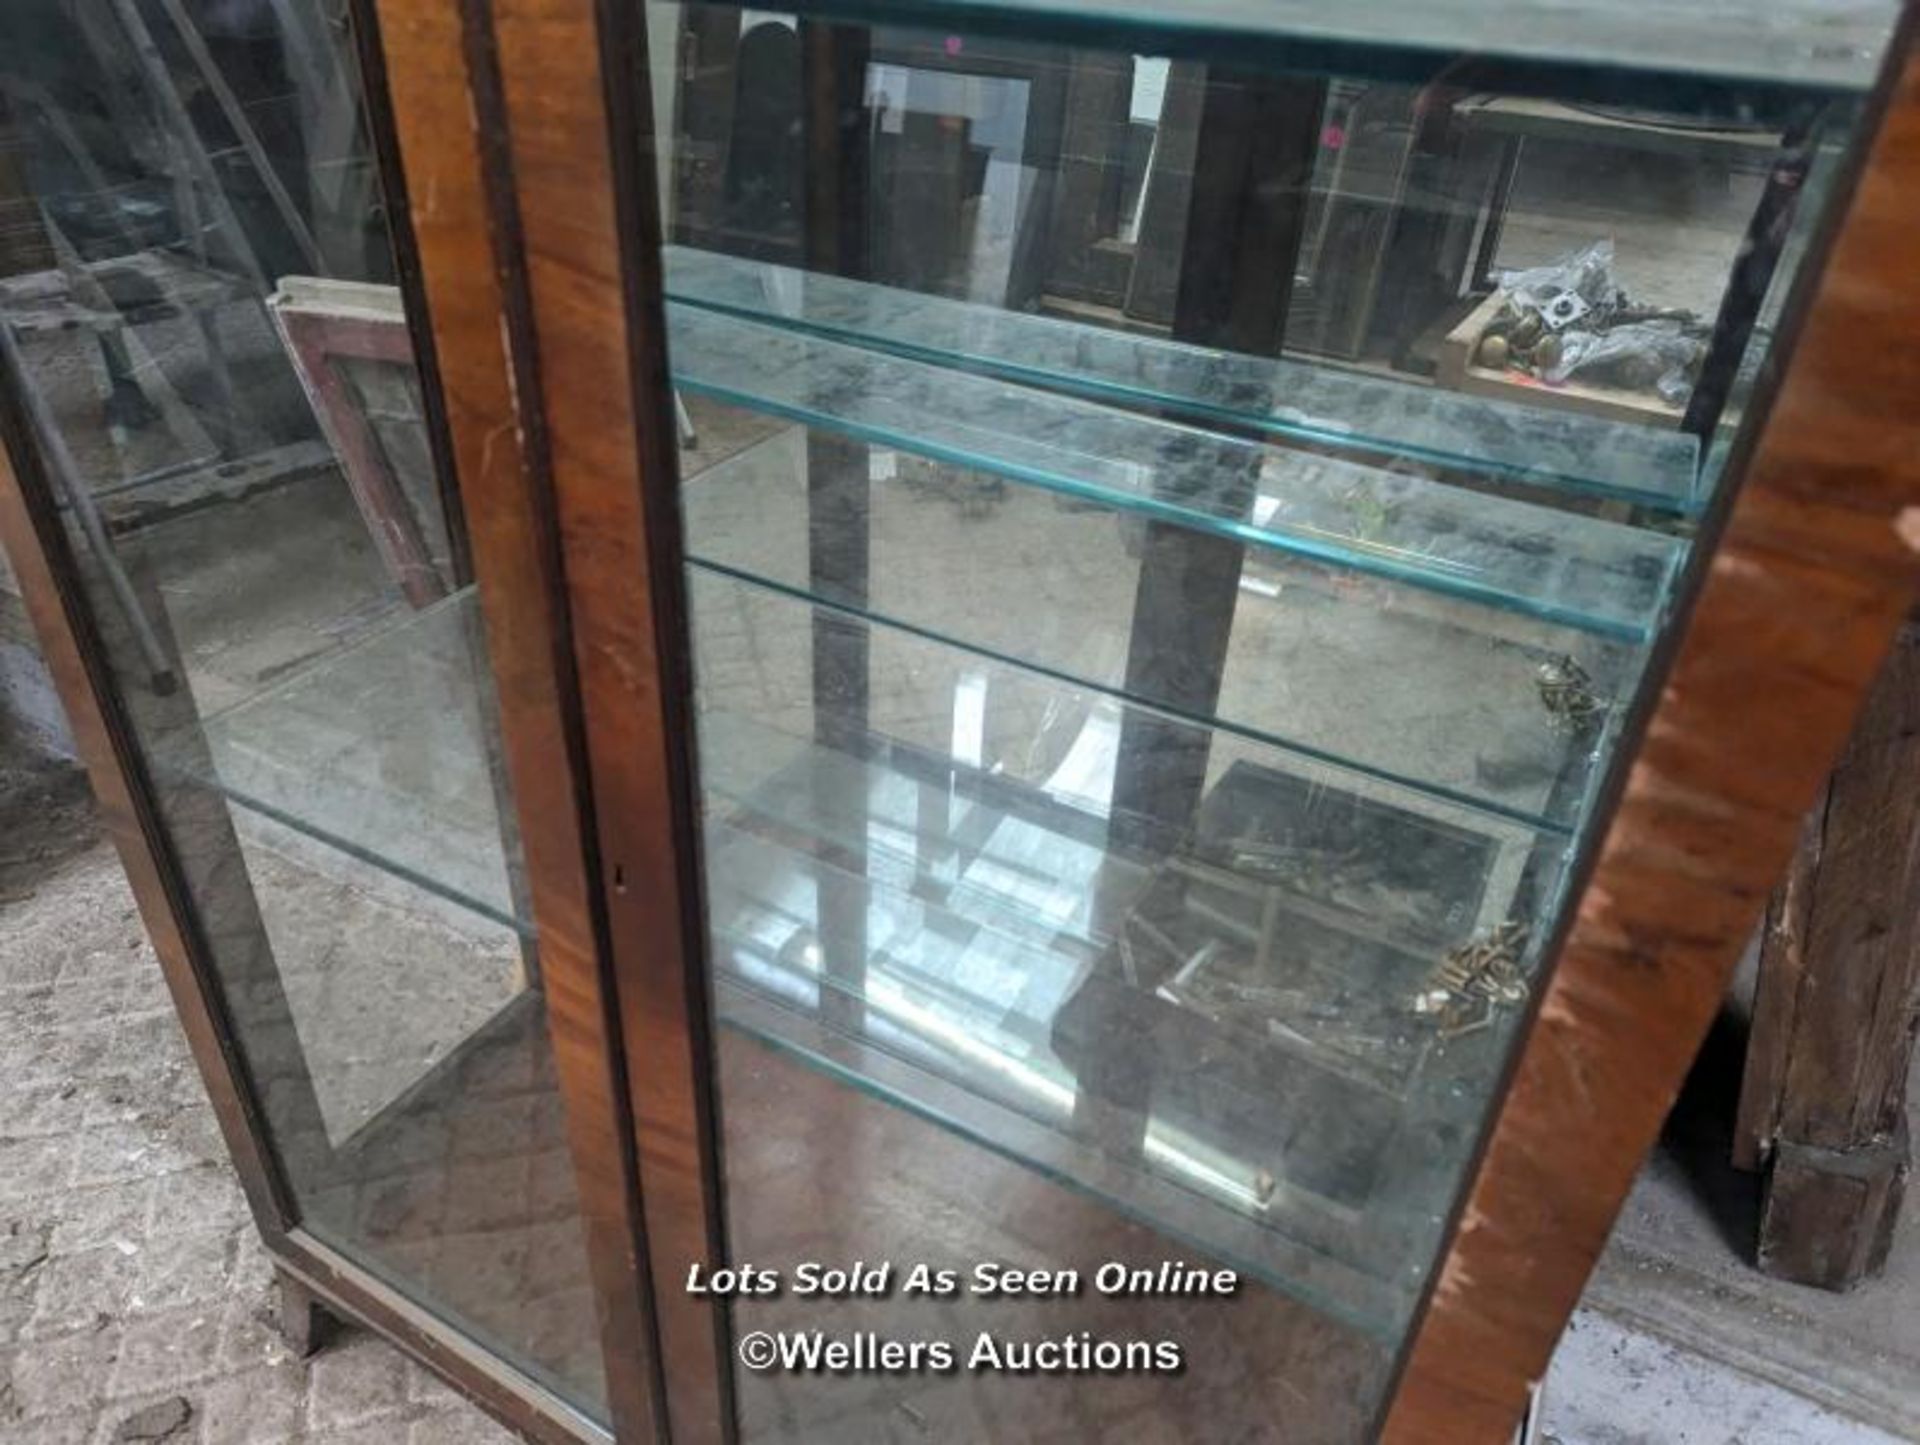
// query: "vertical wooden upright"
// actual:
[[448, 111], [578, 140], [1823, 1102]]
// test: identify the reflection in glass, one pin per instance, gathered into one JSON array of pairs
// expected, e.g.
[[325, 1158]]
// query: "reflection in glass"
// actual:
[[1171, 548], [197, 317]]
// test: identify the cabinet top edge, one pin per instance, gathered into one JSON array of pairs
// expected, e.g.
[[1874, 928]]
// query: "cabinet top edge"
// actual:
[[1714, 56]]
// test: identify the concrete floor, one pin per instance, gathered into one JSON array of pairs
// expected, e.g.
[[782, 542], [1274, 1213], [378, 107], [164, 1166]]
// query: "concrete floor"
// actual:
[[1677, 1274], [1615, 1384], [130, 1274]]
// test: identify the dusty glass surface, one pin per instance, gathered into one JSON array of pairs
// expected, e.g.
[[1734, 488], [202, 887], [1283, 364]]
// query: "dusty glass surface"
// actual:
[[197, 319], [1178, 505]]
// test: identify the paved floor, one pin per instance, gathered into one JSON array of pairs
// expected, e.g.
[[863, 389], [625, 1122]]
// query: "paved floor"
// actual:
[[1678, 1269], [131, 1282], [1617, 1384]]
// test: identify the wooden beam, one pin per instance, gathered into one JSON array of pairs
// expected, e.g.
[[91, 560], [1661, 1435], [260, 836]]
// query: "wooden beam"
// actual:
[[1823, 1103]]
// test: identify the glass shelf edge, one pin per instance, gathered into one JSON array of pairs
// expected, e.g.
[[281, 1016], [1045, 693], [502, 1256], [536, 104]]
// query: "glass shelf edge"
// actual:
[[176, 757], [402, 872], [1353, 556], [739, 818], [1686, 501], [866, 1076], [1519, 817], [399, 619]]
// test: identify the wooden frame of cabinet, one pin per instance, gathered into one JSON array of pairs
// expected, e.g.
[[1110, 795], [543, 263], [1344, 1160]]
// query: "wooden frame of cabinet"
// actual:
[[533, 250]]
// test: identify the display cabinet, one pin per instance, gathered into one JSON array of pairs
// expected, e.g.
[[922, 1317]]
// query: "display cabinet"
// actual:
[[1051, 634]]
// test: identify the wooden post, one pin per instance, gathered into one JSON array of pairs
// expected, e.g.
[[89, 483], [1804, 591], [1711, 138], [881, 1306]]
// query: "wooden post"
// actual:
[[1258, 136], [1823, 1101]]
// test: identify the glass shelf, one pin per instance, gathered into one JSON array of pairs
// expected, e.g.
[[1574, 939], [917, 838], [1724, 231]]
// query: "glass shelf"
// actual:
[[1433, 694], [1760, 46], [1325, 405], [941, 899], [1154, 1196], [1021, 973], [938, 895], [380, 750], [1025, 878], [1597, 576]]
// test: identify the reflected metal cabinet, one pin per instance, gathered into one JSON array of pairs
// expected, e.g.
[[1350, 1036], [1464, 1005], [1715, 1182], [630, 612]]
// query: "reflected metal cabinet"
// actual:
[[716, 637]]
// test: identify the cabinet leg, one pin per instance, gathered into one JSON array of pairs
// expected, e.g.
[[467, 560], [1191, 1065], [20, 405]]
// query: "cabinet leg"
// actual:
[[306, 1323]]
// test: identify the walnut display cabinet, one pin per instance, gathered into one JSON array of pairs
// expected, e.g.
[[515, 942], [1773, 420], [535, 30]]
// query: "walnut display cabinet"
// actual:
[[1060, 632]]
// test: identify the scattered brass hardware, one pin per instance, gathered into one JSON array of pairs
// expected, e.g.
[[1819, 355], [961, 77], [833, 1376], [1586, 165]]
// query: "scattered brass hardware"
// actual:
[[1475, 981], [1568, 694]]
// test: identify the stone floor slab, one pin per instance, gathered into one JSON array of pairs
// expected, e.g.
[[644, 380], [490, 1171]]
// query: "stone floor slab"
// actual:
[[129, 1271]]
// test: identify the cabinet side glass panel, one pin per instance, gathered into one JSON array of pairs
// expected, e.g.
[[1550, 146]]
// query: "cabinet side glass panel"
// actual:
[[1172, 548], [199, 322]]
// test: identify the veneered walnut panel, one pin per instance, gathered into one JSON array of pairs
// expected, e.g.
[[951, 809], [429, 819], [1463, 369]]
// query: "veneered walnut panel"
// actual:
[[1812, 577], [446, 108], [592, 238]]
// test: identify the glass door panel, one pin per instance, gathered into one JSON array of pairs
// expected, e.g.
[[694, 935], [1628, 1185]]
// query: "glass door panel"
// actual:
[[1172, 546], [199, 322]]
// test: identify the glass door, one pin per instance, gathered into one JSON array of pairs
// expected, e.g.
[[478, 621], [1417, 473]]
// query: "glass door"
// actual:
[[221, 401], [1174, 534]]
